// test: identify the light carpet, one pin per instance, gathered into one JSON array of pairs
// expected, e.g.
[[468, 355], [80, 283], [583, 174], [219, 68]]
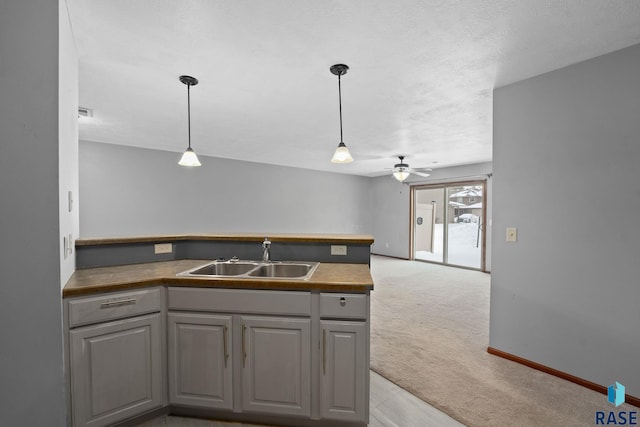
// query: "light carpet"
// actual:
[[429, 335]]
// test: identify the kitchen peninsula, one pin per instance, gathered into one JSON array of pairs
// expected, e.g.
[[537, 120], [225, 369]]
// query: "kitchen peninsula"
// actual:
[[143, 341]]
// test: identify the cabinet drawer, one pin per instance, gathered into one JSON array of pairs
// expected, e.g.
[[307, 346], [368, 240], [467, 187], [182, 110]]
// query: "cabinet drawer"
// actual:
[[343, 306], [113, 306], [240, 301]]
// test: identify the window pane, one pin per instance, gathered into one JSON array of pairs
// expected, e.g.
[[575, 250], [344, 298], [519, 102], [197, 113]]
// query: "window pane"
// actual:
[[464, 225]]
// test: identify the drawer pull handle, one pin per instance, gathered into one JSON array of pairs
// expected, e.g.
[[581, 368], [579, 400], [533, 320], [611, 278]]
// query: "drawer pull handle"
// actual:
[[343, 301], [119, 303]]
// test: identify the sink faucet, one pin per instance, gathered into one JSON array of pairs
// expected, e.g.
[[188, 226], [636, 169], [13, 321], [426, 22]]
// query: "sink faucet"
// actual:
[[265, 249]]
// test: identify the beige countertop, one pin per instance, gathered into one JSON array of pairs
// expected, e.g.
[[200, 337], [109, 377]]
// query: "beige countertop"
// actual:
[[335, 277]]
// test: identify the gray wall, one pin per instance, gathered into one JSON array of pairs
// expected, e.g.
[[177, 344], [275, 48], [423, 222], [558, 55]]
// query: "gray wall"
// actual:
[[567, 175], [31, 364], [391, 207], [390, 217], [132, 191]]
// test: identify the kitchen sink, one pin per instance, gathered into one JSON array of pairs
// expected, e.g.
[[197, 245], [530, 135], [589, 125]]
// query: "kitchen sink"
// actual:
[[281, 270], [254, 270], [224, 269]]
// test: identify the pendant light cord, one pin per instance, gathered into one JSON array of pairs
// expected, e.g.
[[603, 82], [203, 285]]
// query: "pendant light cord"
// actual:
[[340, 104], [189, 112]]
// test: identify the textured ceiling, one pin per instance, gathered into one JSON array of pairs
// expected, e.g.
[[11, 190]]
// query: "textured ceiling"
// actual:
[[420, 81]]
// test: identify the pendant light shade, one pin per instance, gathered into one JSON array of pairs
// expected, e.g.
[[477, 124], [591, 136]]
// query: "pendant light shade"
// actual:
[[189, 158], [342, 154]]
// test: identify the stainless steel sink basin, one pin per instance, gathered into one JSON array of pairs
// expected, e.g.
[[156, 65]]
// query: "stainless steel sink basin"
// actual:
[[281, 270], [224, 269], [254, 270]]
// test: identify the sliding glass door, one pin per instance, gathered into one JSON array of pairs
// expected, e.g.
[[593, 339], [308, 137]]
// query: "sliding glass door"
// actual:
[[448, 223]]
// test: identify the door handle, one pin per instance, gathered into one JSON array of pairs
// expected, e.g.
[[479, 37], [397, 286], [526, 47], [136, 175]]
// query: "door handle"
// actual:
[[225, 349], [324, 351], [244, 348]]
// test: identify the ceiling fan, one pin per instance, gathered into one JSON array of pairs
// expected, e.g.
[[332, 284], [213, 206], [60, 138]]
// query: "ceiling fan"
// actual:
[[401, 171]]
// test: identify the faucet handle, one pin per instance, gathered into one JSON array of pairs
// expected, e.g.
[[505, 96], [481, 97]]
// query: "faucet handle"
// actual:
[[266, 242]]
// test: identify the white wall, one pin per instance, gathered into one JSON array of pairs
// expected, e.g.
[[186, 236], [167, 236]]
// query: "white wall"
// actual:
[[391, 207], [133, 191], [31, 361], [68, 142], [567, 175]]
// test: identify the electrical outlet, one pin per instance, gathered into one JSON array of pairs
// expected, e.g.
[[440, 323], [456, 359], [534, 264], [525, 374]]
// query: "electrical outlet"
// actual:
[[163, 248], [338, 249], [512, 234]]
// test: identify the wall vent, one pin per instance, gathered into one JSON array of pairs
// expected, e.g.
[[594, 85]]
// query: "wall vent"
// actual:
[[85, 112]]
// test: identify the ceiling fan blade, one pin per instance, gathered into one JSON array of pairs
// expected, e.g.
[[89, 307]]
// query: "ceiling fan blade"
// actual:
[[420, 173]]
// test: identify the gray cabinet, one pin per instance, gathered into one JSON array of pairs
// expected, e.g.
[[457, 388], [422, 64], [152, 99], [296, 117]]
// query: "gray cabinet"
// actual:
[[344, 376], [116, 370], [270, 370], [115, 356], [200, 360], [276, 365], [344, 380], [243, 353]]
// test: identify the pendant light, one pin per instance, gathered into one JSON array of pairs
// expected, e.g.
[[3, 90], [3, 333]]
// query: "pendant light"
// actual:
[[342, 154], [189, 157]]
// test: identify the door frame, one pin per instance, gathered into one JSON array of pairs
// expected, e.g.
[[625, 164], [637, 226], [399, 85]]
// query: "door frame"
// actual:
[[444, 185]]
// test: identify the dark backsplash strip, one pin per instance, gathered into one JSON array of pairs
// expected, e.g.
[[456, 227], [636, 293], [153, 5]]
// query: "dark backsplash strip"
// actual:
[[135, 253]]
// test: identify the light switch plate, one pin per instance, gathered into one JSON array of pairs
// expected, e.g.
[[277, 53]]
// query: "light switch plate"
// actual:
[[67, 245], [512, 234], [338, 249], [163, 248]]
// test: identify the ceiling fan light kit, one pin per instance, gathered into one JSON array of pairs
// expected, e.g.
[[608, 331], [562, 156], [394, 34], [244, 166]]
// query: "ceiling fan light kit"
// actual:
[[342, 154], [189, 157], [401, 171], [401, 175]]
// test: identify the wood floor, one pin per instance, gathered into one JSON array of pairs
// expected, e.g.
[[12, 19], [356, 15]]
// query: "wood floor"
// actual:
[[390, 406]]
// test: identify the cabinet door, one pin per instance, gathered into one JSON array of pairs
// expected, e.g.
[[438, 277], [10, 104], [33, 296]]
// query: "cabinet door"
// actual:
[[276, 370], [200, 362], [344, 384], [116, 370]]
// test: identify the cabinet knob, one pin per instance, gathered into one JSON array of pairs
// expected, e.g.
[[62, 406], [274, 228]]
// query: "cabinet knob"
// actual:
[[343, 301]]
